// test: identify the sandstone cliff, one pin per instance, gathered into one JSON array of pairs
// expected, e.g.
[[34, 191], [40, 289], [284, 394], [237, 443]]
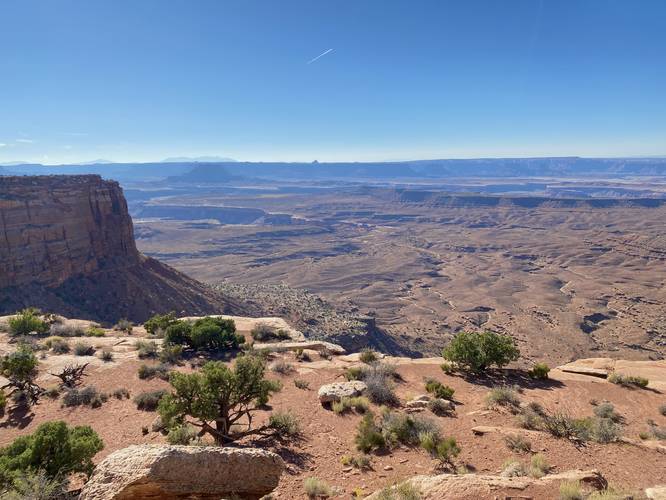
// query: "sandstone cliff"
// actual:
[[67, 246]]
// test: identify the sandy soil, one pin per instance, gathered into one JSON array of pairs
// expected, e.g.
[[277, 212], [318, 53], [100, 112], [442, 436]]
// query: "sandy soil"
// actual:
[[327, 437]]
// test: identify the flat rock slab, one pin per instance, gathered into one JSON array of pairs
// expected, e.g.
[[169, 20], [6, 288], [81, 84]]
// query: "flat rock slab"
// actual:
[[330, 393], [480, 430], [314, 345], [459, 486], [654, 371], [656, 492], [179, 472]]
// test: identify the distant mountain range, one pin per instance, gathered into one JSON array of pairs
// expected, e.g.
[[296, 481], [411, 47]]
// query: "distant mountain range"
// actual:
[[226, 171], [198, 159]]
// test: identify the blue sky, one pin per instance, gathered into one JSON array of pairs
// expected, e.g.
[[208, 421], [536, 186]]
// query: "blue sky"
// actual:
[[141, 80]]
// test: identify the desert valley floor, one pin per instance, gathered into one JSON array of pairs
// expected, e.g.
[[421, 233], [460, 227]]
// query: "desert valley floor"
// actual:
[[565, 281]]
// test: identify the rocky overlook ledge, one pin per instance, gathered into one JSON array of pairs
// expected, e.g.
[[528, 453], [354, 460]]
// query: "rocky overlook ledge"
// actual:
[[67, 245]]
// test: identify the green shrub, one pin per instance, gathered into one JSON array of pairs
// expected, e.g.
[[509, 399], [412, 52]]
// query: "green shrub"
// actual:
[[27, 321], [628, 380], [159, 323], [89, 396], [571, 490], [20, 365], [402, 491], [517, 443], [513, 468], [178, 333], [3, 402], [380, 389], [607, 410], [146, 349], [37, 485], [656, 431], [446, 450], [220, 395], [53, 448], [440, 406], [20, 368], [369, 435], [52, 392], [503, 395], [448, 367], [121, 393], [604, 430], [357, 461], [401, 428], [359, 404], [532, 416], [316, 488], [282, 367], [171, 354], [67, 329], [83, 349], [263, 332], [106, 354], [609, 493], [285, 424], [301, 355], [124, 325], [95, 331], [207, 333], [58, 345], [150, 400], [147, 372], [438, 389], [383, 370], [477, 351], [562, 425], [368, 356], [539, 466], [354, 373], [539, 371], [182, 434], [428, 440], [302, 384]]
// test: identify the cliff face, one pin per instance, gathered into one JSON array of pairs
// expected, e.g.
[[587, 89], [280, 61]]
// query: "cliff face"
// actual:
[[67, 246], [53, 228]]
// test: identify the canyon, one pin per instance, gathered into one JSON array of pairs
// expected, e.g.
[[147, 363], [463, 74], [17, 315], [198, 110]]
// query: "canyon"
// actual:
[[567, 277]]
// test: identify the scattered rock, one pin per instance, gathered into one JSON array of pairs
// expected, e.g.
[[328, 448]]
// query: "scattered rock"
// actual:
[[330, 393], [419, 402], [157, 425], [174, 472], [656, 492]]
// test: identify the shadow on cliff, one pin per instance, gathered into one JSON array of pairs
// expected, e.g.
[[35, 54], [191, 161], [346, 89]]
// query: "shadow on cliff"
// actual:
[[119, 291]]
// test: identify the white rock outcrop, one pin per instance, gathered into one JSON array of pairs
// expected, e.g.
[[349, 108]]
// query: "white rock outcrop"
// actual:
[[330, 393], [175, 472]]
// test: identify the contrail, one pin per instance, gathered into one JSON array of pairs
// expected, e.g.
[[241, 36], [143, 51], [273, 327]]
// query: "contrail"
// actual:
[[320, 56]]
